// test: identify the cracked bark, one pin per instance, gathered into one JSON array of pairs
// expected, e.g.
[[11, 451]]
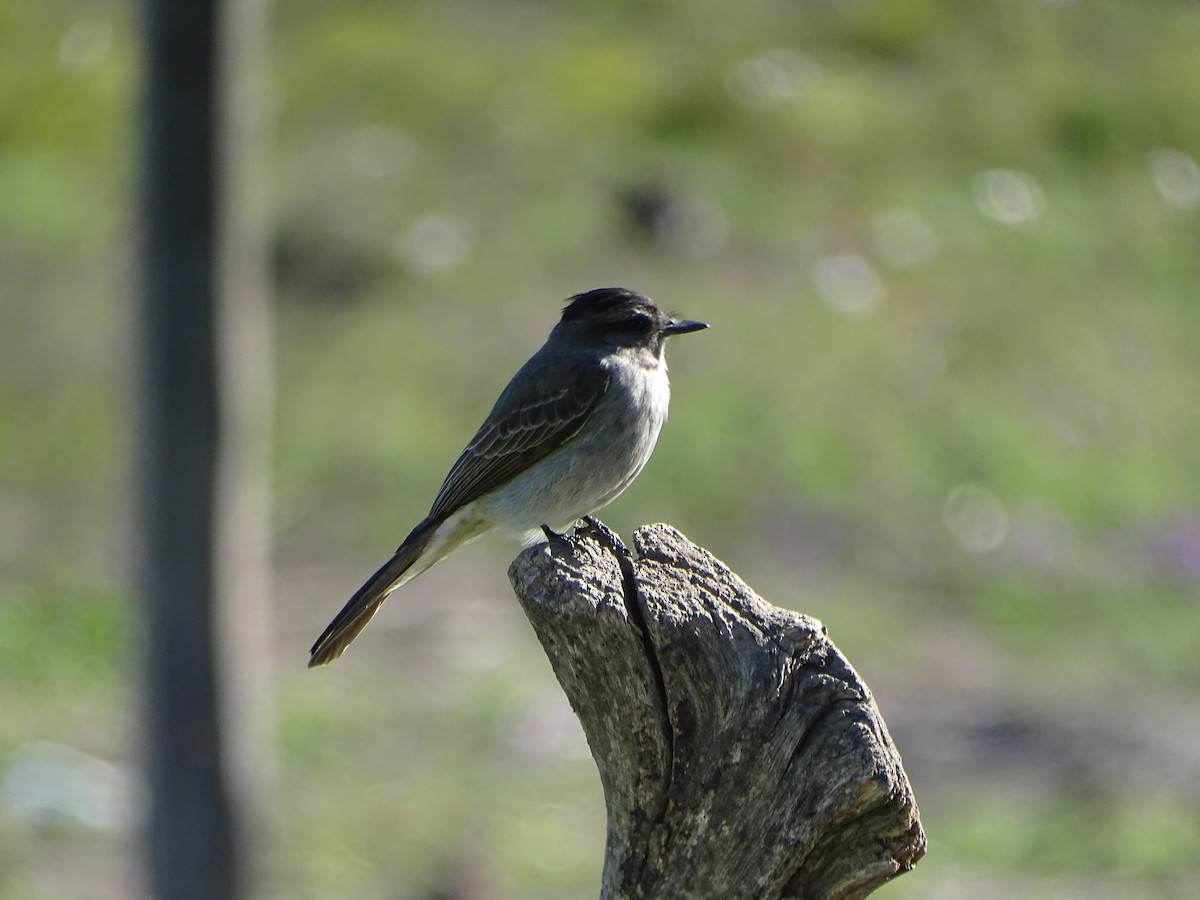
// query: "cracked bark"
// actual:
[[740, 754]]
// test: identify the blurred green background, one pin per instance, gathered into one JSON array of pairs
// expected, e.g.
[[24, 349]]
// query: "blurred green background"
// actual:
[[948, 405]]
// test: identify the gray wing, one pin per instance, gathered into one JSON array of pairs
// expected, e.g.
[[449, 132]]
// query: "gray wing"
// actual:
[[543, 407]]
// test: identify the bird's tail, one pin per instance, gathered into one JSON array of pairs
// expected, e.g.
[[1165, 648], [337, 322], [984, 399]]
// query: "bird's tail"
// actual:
[[366, 601]]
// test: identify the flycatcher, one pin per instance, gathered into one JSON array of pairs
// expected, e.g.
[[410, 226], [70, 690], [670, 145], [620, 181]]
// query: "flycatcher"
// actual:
[[571, 431]]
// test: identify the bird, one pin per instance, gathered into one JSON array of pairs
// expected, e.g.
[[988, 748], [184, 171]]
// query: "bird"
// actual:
[[569, 433]]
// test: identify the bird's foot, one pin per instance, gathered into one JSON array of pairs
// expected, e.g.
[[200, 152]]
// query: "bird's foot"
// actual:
[[593, 526], [554, 539]]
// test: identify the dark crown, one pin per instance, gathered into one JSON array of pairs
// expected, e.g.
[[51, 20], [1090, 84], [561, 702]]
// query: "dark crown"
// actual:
[[602, 300]]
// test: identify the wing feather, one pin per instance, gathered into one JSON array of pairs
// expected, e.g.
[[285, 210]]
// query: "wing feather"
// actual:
[[542, 408]]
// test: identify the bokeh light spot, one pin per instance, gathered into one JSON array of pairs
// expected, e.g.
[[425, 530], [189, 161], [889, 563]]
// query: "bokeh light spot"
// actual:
[[1176, 176], [848, 283], [771, 79], [434, 244], [84, 46], [1007, 196], [975, 518]]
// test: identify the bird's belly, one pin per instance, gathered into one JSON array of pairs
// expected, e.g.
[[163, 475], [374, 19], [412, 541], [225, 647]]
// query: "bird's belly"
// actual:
[[595, 466]]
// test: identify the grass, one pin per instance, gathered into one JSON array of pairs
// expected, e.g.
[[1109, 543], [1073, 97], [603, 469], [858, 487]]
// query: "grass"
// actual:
[[947, 403]]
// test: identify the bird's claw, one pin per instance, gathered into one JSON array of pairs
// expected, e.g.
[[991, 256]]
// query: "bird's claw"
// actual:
[[606, 536], [554, 539], [593, 527]]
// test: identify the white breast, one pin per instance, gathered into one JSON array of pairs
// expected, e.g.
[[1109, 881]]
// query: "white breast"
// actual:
[[594, 467]]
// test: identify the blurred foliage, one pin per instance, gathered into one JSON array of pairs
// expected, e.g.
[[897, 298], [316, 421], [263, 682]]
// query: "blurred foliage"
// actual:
[[950, 253]]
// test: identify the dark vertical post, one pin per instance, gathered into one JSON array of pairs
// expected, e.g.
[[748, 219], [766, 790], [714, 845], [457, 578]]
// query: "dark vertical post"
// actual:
[[199, 478]]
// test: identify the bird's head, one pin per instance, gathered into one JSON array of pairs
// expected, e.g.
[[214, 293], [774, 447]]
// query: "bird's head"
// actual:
[[618, 317]]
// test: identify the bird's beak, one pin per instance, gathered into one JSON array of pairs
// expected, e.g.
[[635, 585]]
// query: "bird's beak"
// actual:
[[683, 326]]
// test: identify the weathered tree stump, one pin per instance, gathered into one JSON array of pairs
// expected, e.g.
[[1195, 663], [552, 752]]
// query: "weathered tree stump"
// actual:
[[740, 754]]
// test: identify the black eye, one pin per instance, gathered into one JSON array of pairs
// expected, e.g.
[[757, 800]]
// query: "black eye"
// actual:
[[637, 323]]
